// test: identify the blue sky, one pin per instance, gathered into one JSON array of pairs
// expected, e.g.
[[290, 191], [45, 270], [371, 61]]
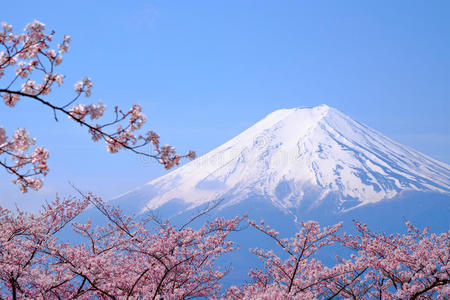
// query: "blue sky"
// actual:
[[206, 70]]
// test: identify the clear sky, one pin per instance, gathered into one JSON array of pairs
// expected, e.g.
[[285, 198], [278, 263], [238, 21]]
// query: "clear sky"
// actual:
[[206, 70]]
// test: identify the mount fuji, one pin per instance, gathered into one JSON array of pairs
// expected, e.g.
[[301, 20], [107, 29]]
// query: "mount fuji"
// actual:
[[303, 162]]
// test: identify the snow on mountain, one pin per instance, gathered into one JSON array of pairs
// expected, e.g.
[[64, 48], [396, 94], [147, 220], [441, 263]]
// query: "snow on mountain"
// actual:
[[291, 151]]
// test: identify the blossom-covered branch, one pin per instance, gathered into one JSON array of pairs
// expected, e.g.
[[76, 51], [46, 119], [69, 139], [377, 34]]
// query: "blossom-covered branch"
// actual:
[[24, 163], [28, 69]]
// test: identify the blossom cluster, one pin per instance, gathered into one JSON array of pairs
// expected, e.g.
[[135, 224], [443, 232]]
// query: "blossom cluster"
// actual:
[[95, 111], [33, 162], [31, 61], [26, 54]]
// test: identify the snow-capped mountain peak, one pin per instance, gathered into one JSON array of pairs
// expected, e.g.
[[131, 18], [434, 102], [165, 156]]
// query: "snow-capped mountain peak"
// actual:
[[295, 151]]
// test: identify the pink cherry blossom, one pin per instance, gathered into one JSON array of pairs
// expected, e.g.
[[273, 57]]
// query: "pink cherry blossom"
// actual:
[[10, 99]]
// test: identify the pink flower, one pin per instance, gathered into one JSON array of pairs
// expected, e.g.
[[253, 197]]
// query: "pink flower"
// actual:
[[59, 79], [51, 54], [78, 87], [35, 26], [58, 60], [6, 27], [112, 145], [10, 99], [21, 140], [63, 48], [79, 111], [96, 110]]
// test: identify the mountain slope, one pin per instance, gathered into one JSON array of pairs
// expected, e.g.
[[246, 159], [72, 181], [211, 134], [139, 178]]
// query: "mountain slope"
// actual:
[[298, 158]]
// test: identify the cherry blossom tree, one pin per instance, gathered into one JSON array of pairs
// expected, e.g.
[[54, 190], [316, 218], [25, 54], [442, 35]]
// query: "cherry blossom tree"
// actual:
[[28, 69], [414, 265], [300, 276], [23, 240], [124, 259]]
